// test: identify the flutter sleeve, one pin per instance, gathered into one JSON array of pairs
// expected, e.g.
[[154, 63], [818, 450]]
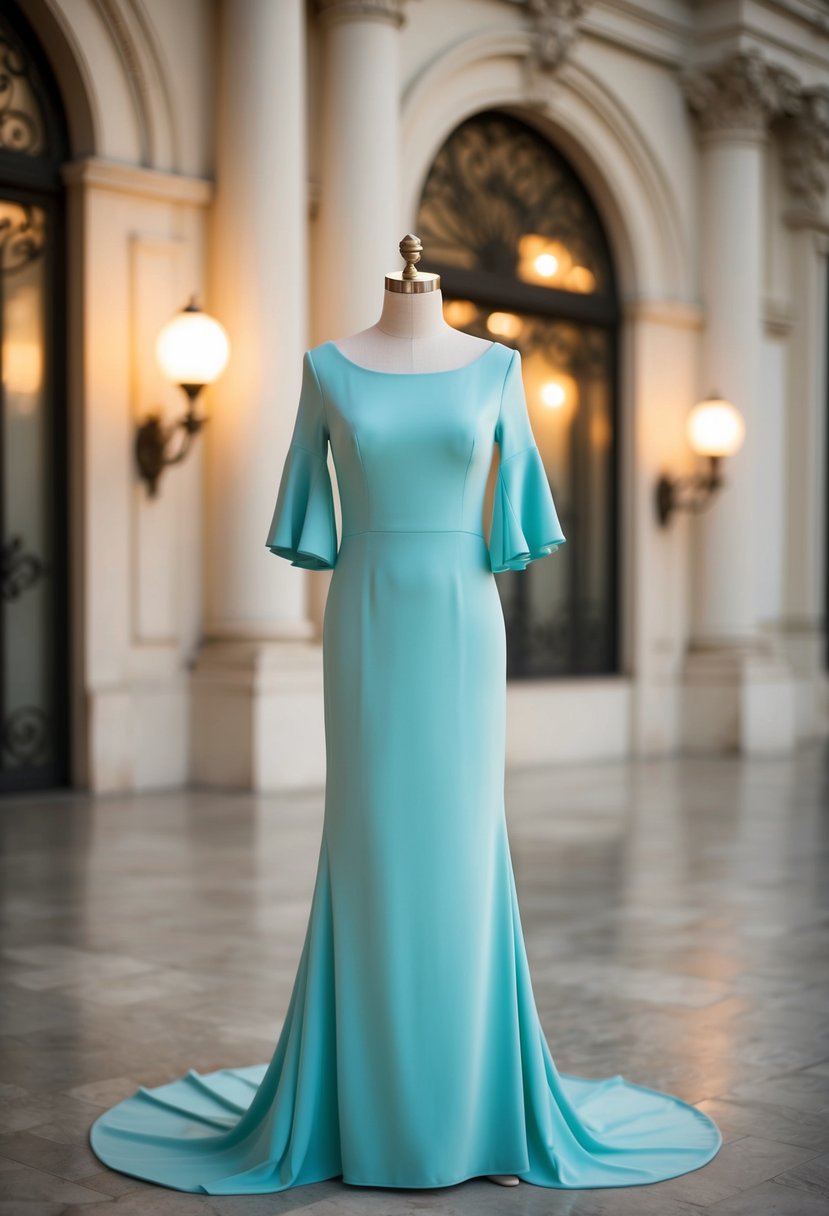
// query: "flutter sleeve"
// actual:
[[525, 525], [303, 528]]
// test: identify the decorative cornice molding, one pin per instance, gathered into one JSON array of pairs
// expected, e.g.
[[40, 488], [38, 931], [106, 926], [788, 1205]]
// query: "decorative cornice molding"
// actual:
[[134, 75], [675, 314], [805, 149], [777, 316], [390, 11], [739, 95], [94, 173], [799, 218], [554, 26]]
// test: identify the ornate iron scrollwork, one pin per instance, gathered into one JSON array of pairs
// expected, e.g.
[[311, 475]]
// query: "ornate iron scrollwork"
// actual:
[[495, 181], [22, 235], [19, 570], [25, 736], [22, 128]]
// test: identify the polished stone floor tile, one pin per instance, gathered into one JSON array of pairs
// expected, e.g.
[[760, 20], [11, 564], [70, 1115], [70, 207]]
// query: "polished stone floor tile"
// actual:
[[740, 1164], [29, 1185], [736, 1119], [771, 1199], [812, 1177], [676, 924], [805, 1090], [32, 1207]]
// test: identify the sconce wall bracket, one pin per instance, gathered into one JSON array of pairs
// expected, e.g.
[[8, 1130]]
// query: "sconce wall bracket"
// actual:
[[153, 440], [693, 493]]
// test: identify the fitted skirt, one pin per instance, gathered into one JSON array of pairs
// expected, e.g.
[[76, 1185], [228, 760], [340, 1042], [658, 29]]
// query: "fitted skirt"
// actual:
[[411, 1053]]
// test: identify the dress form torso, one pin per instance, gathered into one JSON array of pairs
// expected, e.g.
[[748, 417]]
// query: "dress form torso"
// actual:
[[412, 335]]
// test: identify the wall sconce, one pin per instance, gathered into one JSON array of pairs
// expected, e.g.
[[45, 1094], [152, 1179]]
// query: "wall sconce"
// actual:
[[192, 350], [715, 429]]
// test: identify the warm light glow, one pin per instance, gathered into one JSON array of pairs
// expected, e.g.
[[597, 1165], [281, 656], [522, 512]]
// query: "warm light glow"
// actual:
[[504, 324], [22, 370], [715, 427], [460, 313], [193, 348], [553, 394], [580, 279], [552, 397], [546, 264], [600, 432]]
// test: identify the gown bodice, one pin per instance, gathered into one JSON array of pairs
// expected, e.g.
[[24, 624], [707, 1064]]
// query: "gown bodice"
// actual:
[[412, 453]]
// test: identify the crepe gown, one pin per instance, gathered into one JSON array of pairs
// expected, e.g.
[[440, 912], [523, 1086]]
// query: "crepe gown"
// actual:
[[411, 1053]]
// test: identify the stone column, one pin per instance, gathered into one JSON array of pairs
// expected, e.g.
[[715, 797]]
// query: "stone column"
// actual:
[[257, 680], [359, 224], [804, 141], [258, 288], [258, 714], [738, 695]]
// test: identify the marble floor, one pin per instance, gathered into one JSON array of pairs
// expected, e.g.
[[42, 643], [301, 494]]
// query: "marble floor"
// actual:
[[675, 913]]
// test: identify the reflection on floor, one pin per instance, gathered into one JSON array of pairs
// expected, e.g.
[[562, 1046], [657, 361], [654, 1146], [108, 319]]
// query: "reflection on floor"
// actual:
[[673, 918]]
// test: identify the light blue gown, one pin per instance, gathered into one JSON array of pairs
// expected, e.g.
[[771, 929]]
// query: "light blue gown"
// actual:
[[411, 1053]]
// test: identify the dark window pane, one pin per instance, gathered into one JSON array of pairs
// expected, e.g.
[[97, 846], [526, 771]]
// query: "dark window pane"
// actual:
[[499, 199], [523, 258], [33, 517]]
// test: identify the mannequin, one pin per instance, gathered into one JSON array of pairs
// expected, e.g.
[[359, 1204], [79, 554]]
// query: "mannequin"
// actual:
[[412, 335]]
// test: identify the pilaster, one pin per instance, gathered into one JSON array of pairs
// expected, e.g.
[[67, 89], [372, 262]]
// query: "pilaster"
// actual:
[[738, 691]]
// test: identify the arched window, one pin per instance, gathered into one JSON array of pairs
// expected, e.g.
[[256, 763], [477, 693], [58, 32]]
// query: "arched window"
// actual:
[[33, 515], [523, 258]]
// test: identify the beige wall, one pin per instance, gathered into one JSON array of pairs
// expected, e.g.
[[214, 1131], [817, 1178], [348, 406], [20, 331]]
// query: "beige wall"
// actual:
[[142, 82]]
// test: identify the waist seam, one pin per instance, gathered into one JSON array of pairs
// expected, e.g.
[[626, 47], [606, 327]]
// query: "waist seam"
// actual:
[[413, 531]]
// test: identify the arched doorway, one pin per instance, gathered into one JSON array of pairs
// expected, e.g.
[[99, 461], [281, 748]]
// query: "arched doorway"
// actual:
[[33, 501], [524, 258]]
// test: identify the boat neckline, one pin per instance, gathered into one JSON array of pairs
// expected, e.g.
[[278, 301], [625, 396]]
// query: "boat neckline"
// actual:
[[449, 371]]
